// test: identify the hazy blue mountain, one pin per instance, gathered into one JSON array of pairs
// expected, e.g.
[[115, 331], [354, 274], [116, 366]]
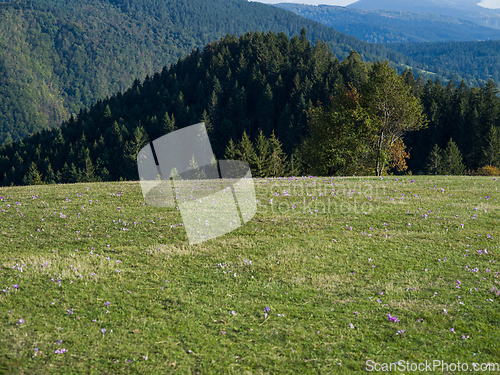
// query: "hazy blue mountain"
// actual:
[[383, 26], [462, 9]]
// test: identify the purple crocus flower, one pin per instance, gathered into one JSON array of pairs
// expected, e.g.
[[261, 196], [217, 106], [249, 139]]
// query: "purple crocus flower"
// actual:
[[392, 318]]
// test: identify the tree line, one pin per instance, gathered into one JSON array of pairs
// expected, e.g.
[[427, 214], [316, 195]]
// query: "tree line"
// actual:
[[295, 94]]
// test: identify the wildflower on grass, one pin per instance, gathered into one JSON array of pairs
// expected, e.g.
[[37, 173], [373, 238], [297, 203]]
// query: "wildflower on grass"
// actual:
[[107, 303], [61, 351], [21, 321], [392, 318], [351, 325], [233, 313], [445, 311]]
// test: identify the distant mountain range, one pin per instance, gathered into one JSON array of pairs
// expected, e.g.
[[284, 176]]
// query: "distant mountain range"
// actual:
[[394, 26], [462, 9]]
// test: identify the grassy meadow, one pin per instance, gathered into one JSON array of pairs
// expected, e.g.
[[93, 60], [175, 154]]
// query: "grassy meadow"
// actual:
[[332, 274]]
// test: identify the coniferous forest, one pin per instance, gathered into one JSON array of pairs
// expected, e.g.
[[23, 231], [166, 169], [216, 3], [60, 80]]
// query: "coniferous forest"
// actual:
[[262, 97], [59, 56]]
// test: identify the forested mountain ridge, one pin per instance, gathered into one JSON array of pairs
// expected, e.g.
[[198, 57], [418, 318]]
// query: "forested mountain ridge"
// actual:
[[260, 80], [474, 62], [239, 87], [386, 26], [58, 56], [462, 9]]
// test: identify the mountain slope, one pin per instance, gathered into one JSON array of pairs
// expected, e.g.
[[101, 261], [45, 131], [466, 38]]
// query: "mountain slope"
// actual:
[[380, 26], [474, 62], [461, 9], [258, 81], [57, 56]]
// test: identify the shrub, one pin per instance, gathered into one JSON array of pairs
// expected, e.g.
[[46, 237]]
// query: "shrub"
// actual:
[[487, 170]]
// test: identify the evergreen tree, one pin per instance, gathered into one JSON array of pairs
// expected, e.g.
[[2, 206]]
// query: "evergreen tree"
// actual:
[[168, 123], [491, 152], [34, 177], [231, 151], [263, 155], [65, 174], [246, 152], [452, 160], [434, 160], [50, 176], [74, 174], [88, 173], [295, 166], [265, 110], [353, 70], [102, 172], [277, 164], [205, 118]]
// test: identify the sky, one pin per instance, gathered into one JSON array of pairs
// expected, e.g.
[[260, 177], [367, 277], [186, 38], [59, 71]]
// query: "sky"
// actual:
[[483, 3], [490, 3]]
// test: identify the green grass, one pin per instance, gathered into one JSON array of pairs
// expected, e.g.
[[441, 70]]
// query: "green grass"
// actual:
[[313, 270]]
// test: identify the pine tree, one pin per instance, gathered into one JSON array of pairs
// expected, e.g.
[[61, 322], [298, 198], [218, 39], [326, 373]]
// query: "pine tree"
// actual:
[[231, 152], [246, 152], [263, 153], [50, 176], [168, 123], [74, 174], [34, 177], [452, 160], [205, 118], [277, 164], [265, 110], [195, 171], [101, 170], [434, 160], [88, 173], [65, 174], [295, 166], [491, 152]]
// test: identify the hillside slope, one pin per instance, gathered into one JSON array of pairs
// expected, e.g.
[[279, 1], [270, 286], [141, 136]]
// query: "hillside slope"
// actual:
[[258, 81], [58, 56], [383, 26], [461, 9]]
